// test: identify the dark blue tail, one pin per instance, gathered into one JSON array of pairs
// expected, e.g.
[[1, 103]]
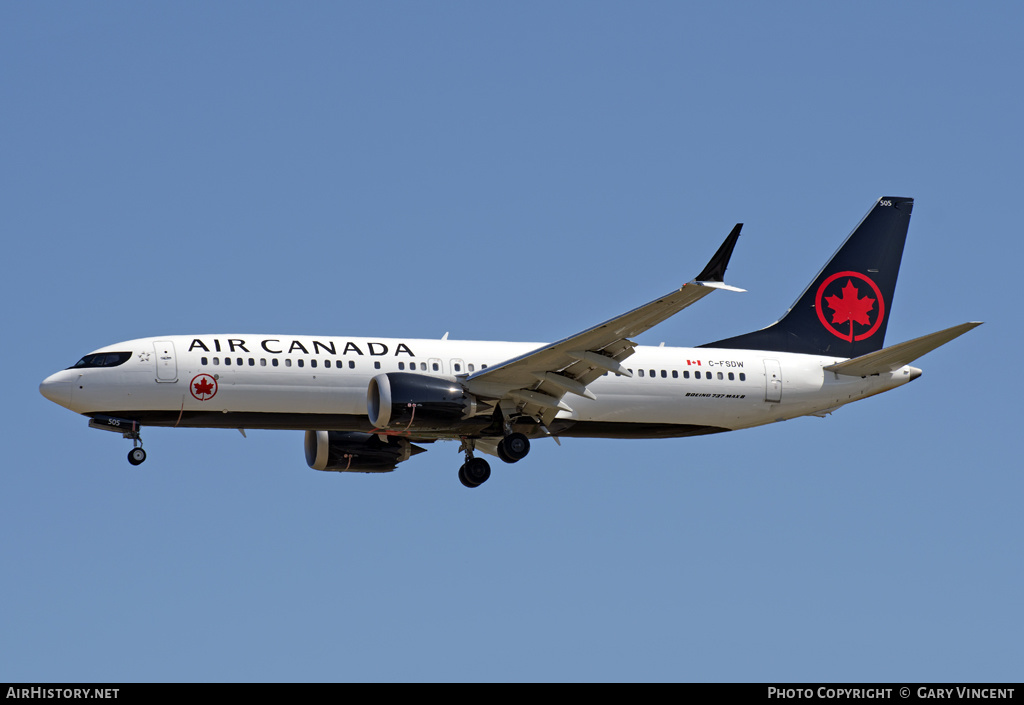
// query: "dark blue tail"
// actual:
[[845, 310]]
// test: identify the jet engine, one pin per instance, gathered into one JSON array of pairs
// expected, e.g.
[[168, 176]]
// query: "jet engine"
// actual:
[[404, 401], [343, 451]]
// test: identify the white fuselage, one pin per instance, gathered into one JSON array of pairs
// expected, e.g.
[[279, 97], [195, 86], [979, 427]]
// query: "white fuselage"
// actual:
[[307, 382]]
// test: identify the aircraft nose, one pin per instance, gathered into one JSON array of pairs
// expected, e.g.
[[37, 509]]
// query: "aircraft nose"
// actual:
[[57, 388]]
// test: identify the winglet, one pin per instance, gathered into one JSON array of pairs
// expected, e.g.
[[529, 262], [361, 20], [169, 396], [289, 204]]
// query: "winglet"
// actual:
[[715, 270]]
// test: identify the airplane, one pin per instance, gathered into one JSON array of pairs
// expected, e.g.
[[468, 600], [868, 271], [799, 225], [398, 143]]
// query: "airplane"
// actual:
[[368, 404]]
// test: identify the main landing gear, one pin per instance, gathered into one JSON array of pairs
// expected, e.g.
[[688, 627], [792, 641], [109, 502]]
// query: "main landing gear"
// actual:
[[513, 447], [476, 471]]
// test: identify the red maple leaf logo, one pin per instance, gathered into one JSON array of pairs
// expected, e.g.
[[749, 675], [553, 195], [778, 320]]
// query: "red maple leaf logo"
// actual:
[[850, 307], [203, 387]]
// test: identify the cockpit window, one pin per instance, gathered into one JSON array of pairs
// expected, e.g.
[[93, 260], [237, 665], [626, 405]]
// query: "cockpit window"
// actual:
[[104, 359]]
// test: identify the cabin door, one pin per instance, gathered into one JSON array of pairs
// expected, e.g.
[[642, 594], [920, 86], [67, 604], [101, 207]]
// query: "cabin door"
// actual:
[[772, 381], [166, 364]]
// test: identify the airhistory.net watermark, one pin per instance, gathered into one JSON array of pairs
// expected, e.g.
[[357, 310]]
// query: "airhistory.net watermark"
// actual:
[[62, 693]]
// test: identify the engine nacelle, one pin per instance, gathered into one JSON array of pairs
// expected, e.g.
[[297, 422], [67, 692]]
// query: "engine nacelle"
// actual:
[[405, 401], [344, 451]]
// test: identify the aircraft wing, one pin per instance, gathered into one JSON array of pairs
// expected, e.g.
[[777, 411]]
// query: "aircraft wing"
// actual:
[[535, 383]]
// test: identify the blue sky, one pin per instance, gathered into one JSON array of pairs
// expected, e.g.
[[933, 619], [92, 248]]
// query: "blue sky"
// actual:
[[516, 172]]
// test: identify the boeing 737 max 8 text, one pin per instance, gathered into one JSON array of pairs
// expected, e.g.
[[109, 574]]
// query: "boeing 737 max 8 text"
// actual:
[[367, 404]]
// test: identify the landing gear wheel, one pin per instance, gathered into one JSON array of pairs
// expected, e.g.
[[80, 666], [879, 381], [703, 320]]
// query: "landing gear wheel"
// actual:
[[136, 456], [475, 472], [513, 447], [502, 454]]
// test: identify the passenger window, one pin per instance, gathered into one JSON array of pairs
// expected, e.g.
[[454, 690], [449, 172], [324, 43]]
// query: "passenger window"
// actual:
[[743, 376], [401, 365], [641, 373], [351, 364], [731, 376], [288, 362], [203, 360], [274, 362], [227, 360], [675, 374], [434, 366], [471, 368], [263, 362], [252, 362], [686, 374], [458, 367], [664, 374], [300, 362], [312, 363], [327, 363], [376, 365], [696, 374]]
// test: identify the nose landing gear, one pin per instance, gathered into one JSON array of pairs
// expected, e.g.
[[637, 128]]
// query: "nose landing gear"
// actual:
[[128, 429], [136, 456]]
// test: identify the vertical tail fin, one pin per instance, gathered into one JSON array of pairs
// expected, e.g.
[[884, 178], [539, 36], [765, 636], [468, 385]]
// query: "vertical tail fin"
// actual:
[[845, 309]]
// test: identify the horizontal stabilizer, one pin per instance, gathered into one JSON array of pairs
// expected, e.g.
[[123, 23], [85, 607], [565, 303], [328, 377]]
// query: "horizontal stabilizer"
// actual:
[[895, 357]]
